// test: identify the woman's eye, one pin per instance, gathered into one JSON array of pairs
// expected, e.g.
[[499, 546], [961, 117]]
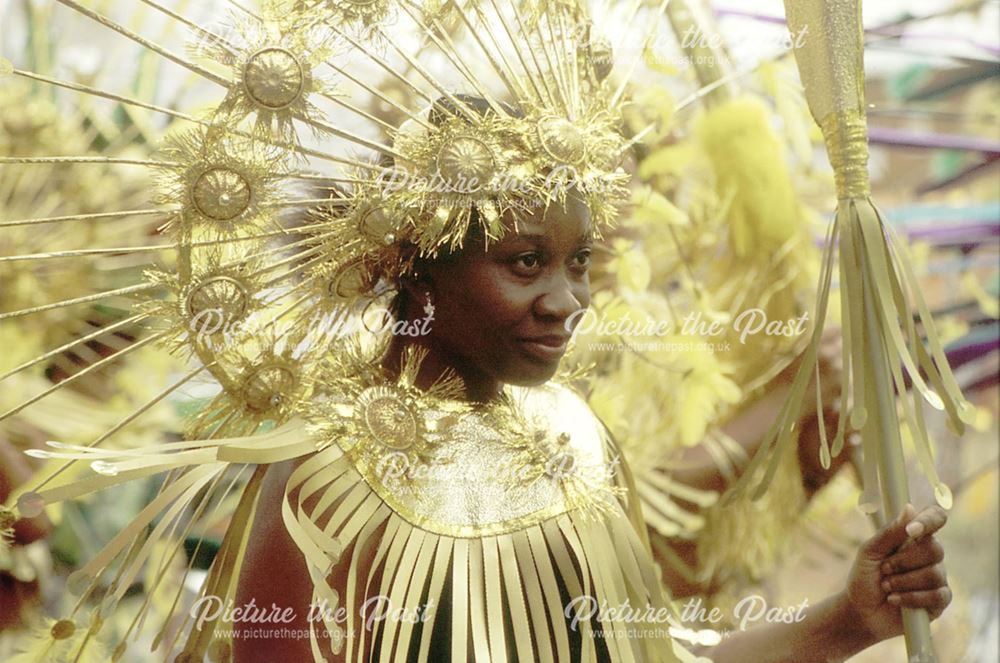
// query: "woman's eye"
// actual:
[[582, 260], [527, 262]]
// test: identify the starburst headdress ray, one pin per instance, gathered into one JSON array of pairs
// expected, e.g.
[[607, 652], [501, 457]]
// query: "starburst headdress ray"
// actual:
[[238, 270]]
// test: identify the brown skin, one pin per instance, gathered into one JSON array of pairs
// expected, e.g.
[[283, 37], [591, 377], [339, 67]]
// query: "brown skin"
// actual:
[[15, 470], [273, 573], [16, 596], [527, 285]]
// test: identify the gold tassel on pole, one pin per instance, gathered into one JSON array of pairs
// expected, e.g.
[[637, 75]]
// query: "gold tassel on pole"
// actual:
[[879, 293]]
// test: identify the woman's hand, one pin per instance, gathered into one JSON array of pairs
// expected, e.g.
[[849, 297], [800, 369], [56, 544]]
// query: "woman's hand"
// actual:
[[904, 554], [900, 567], [843, 625]]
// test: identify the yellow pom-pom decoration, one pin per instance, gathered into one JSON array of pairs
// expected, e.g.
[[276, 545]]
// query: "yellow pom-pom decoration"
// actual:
[[750, 169]]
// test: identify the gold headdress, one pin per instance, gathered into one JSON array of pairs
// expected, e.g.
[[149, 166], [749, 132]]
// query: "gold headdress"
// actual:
[[537, 116]]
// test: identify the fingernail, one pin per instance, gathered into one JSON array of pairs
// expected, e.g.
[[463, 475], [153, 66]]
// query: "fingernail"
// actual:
[[893, 598], [886, 586], [886, 568], [915, 529]]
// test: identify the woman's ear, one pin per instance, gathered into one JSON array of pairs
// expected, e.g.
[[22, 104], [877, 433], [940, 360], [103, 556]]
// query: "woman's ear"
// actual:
[[416, 293], [417, 282]]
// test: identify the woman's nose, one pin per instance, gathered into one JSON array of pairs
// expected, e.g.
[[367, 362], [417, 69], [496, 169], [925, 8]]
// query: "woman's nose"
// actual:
[[562, 297]]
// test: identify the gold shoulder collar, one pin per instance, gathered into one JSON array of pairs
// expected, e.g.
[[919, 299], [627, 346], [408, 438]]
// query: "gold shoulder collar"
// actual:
[[464, 470]]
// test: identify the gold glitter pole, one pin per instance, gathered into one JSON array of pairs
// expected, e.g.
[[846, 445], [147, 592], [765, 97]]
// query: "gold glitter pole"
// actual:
[[877, 285], [879, 296]]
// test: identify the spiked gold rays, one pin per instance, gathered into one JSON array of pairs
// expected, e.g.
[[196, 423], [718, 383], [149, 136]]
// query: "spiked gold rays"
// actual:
[[228, 185], [363, 14], [273, 74], [219, 183]]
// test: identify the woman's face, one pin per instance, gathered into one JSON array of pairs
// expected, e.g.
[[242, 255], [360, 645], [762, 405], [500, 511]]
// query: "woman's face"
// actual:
[[501, 312]]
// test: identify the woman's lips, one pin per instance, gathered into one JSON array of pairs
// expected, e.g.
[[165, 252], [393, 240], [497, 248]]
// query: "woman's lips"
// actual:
[[547, 349]]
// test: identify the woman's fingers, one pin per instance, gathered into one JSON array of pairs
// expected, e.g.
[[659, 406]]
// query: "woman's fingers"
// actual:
[[927, 522], [908, 530], [889, 539], [932, 600], [928, 577], [914, 577], [925, 552]]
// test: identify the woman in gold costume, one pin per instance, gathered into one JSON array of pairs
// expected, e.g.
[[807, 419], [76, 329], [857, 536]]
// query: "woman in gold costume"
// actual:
[[490, 566]]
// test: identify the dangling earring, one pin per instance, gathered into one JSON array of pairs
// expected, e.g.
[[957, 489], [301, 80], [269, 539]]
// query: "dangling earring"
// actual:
[[429, 306]]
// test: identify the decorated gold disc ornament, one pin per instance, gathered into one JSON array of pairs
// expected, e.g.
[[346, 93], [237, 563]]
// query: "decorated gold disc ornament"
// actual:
[[883, 352], [288, 208]]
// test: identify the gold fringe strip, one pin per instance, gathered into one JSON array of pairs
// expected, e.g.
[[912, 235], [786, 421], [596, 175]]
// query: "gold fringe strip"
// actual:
[[506, 590]]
